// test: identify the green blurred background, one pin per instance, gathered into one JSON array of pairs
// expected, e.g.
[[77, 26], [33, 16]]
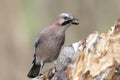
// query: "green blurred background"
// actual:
[[21, 20]]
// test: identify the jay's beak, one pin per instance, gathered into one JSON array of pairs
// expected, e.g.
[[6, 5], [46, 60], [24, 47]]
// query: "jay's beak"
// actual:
[[75, 21]]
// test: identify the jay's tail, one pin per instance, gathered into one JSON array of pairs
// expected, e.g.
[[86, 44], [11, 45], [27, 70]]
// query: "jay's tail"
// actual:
[[34, 71]]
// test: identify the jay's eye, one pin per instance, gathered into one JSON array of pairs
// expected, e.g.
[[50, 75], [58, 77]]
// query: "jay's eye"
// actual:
[[65, 17]]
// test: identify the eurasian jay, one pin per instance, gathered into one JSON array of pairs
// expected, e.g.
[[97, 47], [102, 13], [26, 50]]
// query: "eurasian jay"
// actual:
[[48, 43]]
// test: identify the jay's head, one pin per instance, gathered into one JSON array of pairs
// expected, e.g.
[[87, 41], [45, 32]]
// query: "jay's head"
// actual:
[[67, 19]]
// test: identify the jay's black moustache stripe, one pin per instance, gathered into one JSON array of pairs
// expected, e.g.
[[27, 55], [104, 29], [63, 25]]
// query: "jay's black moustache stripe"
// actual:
[[66, 22]]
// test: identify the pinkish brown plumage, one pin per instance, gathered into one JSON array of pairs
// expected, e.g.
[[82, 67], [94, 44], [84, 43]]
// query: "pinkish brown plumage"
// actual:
[[49, 42]]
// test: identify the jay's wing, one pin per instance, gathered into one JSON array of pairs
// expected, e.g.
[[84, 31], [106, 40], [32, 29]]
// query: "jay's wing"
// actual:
[[41, 37], [36, 43]]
